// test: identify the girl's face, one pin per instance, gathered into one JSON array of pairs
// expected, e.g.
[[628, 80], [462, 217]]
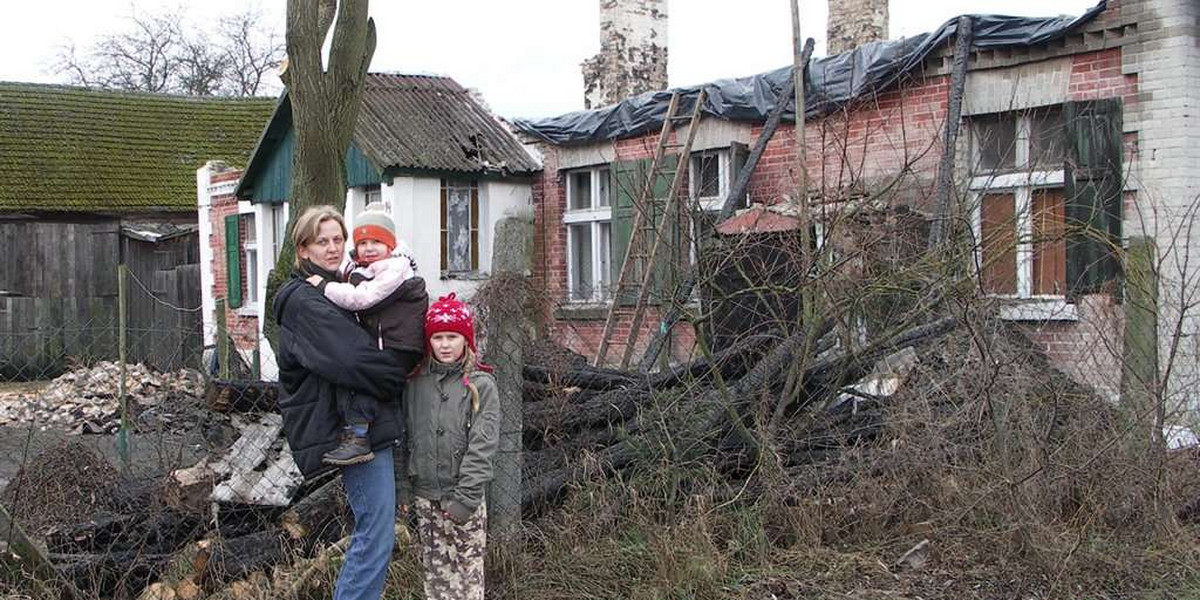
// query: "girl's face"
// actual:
[[369, 251], [326, 250], [448, 347]]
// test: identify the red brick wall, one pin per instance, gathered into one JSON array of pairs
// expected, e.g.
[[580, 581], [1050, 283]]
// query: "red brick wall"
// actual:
[[242, 328], [853, 151]]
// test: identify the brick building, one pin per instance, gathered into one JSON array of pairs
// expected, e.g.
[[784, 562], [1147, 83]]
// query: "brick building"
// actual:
[[1121, 81]]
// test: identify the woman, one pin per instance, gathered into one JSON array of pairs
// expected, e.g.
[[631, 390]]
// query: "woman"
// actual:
[[326, 359]]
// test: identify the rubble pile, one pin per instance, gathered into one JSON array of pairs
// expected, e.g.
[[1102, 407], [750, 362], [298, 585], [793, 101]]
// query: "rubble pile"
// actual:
[[86, 400]]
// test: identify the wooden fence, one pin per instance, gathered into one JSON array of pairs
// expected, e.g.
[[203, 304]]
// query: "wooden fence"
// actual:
[[41, 337], [58, 309]]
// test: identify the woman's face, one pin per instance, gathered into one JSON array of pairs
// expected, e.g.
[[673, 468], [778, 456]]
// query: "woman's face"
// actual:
[[327, 249]]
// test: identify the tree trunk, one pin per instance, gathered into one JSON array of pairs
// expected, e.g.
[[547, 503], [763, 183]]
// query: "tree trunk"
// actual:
[[325, 101]]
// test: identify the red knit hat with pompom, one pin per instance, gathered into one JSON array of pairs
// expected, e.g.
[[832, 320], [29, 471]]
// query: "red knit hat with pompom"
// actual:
[[450, 314]]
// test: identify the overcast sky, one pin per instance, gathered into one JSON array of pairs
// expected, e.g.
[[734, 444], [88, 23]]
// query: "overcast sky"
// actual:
[[524, 55]]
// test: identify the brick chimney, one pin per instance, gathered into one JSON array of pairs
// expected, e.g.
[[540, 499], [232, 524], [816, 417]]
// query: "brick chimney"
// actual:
[[853, 23], [633, 52]]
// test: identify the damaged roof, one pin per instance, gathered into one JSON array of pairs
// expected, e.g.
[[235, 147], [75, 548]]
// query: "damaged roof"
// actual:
[[426, 122], [408, 123], [65, 148], [830, 82]]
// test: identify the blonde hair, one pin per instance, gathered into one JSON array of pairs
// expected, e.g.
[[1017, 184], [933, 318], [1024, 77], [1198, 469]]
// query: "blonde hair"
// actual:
[[470, 364], [308, 226]]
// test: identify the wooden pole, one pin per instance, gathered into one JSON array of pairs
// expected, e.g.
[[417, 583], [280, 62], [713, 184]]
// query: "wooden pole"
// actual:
[[941, 228], [22, 562], [223, 349], [684, 289], [799, 60], [123, 399]]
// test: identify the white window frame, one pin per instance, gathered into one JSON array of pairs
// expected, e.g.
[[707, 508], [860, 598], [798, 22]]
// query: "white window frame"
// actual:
[[375, 194], [250, 257], [1021, 184], [279, 217], [597, 216], [710, 203]]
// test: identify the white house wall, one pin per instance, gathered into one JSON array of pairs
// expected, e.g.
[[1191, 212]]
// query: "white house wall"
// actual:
[[415, 207]]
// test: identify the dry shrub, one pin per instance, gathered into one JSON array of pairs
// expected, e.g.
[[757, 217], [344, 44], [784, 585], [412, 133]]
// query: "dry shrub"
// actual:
[[1026, 484], [69, 483]]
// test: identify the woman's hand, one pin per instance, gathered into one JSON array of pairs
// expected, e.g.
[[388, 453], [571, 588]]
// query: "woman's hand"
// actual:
[[315, 280]]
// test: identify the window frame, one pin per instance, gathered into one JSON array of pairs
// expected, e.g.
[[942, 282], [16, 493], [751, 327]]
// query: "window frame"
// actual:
[[710, 203], [279, 219], [598, 215], [473, 225], [1021, 182], [248, 228]]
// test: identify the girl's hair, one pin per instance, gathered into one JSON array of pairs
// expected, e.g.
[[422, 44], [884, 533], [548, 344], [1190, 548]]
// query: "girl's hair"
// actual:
[[308, 226], [470, 362]]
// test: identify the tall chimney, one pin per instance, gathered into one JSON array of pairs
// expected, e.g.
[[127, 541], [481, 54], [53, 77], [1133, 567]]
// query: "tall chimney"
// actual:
[[633, 52], [853, 23]]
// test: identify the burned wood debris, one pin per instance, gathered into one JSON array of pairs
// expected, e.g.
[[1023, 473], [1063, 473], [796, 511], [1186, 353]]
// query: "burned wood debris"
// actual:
[[245, 508]]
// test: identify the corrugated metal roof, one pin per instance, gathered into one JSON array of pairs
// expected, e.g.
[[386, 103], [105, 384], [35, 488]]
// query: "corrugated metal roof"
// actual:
[[427, 122]]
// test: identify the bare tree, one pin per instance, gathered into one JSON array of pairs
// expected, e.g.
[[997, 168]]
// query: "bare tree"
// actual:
[[201, 68], [165, 53], [250, 49], [325, 97]]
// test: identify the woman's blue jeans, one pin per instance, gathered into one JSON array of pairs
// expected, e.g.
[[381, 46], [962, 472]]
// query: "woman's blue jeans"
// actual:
[[371, 490]]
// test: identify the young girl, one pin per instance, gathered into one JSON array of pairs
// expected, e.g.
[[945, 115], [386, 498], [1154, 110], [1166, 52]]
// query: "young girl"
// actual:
[[452, 413]]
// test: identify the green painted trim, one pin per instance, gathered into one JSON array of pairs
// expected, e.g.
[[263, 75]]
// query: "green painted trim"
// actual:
[[233, 261]]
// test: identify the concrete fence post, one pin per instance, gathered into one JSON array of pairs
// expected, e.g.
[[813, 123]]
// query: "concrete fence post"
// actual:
[[508, 334]]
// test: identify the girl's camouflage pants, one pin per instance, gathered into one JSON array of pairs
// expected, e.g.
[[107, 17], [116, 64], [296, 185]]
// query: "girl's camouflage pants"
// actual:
[[451, 554]]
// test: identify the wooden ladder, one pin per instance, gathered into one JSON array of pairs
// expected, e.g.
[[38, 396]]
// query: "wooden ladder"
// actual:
[[637, 269]]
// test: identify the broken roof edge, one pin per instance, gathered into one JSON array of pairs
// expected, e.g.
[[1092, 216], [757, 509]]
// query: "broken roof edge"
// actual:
[[831, 81], [280, 123]]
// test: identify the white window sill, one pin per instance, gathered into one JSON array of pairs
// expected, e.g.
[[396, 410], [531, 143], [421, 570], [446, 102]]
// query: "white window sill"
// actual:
[[583, 310], [587, 215], [463, 276], [1038, 309], [1018, 179], [249, 310]]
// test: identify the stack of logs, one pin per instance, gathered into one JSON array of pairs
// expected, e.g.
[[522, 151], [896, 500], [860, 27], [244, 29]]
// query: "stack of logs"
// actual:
[[566, 412]]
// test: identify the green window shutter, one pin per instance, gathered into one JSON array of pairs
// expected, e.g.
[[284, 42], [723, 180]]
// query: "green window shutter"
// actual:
[[628, 179], [1094, 193], [233, 261]]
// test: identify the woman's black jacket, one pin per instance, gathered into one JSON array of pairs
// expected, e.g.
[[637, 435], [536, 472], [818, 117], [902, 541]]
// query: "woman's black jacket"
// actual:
[[323, 354]]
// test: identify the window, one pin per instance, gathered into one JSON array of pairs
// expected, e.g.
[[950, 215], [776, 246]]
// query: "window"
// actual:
[[250, 257], [373, 194], [709, 178], [588, 219], [1018, 186], [460, 226], [279, 218]]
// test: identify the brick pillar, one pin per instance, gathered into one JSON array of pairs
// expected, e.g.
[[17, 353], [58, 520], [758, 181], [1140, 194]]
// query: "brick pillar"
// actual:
[[633, 52], [853, 23]]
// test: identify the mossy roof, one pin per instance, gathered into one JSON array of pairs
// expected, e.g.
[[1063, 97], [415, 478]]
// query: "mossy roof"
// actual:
[[67, 148]]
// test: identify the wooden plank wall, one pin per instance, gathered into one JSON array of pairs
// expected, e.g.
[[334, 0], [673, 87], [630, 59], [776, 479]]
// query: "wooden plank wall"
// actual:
[[58, 298]]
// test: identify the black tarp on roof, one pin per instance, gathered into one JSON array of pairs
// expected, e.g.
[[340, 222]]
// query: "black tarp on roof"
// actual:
[[831, 82]]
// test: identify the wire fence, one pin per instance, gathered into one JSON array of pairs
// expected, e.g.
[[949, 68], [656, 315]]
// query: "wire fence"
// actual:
[[136, 437]]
